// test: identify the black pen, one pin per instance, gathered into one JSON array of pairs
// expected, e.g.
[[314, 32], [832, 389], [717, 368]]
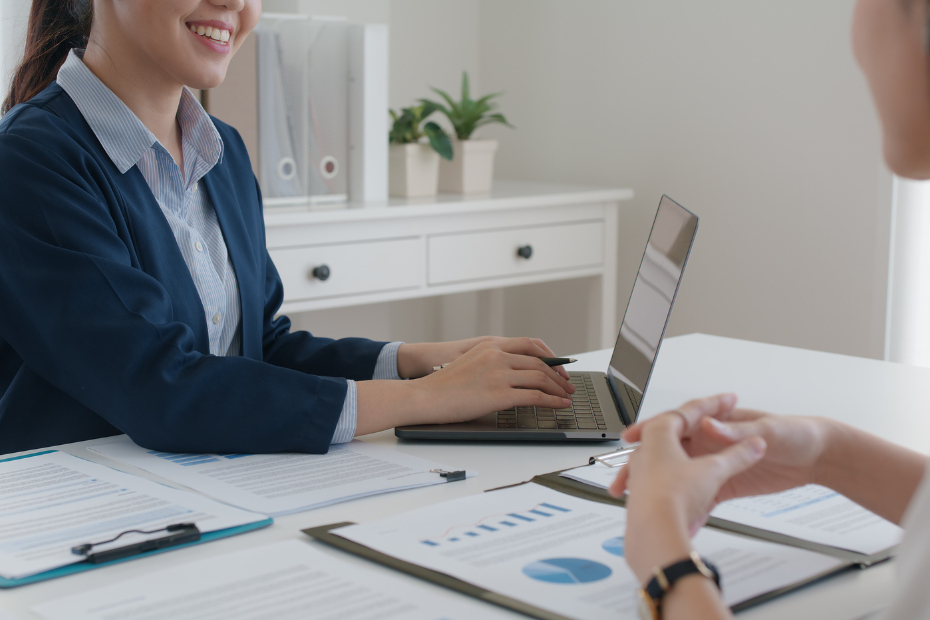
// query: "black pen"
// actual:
[[557, 361], [548, 361]]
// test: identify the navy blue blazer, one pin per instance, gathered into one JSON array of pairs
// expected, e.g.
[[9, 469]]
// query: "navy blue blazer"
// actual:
[[101, 328]]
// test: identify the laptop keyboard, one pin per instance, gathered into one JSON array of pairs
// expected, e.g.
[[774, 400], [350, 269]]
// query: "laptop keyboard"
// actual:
[[635, 397], [585, 412]]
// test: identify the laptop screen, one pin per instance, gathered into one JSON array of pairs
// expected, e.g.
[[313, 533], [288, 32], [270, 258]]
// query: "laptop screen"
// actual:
[[652, 297]]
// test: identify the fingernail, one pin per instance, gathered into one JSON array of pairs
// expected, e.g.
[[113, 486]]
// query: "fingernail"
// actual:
[[758, 445], [567, 402], [719, 426]]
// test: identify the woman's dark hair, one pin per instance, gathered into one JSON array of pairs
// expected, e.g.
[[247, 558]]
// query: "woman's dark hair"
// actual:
[[55, 26]]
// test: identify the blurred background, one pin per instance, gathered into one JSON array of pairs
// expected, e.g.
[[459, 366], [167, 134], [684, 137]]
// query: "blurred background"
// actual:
[[751, 114]]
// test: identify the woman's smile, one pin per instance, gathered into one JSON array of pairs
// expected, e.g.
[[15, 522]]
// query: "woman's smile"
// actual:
[[216, 35]]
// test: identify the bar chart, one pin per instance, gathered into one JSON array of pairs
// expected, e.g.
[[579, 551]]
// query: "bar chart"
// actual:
[[493, 523]]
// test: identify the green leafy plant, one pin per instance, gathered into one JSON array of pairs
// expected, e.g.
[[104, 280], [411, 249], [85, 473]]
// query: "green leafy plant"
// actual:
[[407, 129], [468, 115]]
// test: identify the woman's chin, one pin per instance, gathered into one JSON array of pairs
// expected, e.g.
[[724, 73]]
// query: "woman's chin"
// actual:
[[914, 166]]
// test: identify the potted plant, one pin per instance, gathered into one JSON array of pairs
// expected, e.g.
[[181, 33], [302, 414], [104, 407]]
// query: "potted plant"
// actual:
[[472, 169], [415, 152]]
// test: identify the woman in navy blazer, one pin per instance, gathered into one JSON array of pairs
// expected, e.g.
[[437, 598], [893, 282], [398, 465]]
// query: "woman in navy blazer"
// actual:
[[102, 329]]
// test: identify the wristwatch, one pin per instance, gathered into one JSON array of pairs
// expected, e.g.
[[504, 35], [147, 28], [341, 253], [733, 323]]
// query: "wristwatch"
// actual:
[[650, 597]]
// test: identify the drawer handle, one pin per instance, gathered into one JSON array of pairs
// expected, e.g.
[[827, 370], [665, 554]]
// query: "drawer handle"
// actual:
[[525, 252], [321, 273]]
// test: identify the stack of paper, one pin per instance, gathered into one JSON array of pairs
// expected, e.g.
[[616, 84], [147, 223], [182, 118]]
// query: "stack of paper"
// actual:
[[279, 484], [51, 502], [811, 513]]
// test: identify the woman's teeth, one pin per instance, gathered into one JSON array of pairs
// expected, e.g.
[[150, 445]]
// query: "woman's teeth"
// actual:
[[220, 36]]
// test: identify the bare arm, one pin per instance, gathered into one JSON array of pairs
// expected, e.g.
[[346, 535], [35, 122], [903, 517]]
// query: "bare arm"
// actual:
[[874, 473]]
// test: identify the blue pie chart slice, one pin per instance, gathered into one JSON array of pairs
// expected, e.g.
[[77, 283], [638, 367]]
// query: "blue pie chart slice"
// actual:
[[567, 570], [614, 545]]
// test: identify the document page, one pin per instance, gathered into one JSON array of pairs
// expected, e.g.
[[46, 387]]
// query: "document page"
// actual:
[[279, 484], [812, 513], [53, 502], [597, 475], [816, 514], [565, 554], [291, 580]]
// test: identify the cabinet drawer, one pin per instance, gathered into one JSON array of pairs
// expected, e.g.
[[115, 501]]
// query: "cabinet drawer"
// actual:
[[493, 254], [354, 268]]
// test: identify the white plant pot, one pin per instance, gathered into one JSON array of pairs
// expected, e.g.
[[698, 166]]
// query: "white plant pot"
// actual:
[[413, 170], [471, 169]]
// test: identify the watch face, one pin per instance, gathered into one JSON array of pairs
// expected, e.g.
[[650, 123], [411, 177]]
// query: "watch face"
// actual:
[[647, 607]]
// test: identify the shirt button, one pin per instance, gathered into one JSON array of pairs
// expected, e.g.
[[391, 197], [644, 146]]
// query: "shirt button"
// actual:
[[199, 246], [217, 318], [196, 185]]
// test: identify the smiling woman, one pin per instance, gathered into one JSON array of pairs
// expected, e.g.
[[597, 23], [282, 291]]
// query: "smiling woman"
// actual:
[[138, 295]]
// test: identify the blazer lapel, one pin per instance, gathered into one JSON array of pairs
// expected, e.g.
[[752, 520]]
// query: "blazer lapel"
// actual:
[[221, 190], [158, 253]]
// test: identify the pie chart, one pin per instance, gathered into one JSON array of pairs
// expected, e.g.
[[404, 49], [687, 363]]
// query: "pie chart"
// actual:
[[567, 570], [614, 545]]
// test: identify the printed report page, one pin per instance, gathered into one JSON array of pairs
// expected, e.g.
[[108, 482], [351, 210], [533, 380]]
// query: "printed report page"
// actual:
[[812, 512], [52, 502], [565, 554], [280, 484], [817, 514], [290, 580]]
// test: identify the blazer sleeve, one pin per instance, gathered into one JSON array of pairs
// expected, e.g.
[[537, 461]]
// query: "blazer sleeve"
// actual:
[[83, 315]]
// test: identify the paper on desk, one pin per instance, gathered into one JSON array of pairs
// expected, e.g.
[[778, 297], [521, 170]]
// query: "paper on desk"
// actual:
[[563, 553], [812, 513], [597, 475], [52, 502], [816, 514], [290, 580], [279, 484]]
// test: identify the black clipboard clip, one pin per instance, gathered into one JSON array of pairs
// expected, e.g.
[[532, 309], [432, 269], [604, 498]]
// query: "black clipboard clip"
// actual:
[[450, 476], [178, 534]]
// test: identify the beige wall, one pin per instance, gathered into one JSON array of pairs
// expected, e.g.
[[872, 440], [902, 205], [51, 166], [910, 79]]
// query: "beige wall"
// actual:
[[752, 114]]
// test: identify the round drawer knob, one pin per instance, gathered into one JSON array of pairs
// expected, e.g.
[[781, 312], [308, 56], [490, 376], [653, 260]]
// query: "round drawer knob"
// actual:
[[321, 273], [525, 251]]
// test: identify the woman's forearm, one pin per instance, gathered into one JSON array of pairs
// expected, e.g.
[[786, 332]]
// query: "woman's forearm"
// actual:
[[874, 473], [387, 404]]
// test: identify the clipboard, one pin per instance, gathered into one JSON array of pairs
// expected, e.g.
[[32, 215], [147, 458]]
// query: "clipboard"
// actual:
[[557, 482], [324, 534], [83, 566]]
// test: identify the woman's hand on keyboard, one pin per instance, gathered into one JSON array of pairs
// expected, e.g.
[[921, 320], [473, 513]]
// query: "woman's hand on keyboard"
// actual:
[[418, 360]]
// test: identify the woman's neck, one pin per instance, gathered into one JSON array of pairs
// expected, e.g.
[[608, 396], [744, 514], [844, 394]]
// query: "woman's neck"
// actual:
[[145, 90]]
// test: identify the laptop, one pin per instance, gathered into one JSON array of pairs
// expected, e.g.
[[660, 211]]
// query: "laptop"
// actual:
[[604, 403]]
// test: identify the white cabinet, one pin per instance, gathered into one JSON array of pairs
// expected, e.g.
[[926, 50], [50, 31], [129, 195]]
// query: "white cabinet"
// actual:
[[522, 233], [460, 257]]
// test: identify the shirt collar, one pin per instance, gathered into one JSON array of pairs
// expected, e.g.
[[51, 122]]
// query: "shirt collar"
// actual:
[[119, 130]]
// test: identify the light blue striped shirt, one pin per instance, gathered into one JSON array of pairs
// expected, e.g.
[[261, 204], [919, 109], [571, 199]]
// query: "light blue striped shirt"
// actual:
[[189, 212]]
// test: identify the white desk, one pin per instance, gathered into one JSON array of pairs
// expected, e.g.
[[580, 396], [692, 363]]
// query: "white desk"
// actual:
[[411, 248], [890, 399]]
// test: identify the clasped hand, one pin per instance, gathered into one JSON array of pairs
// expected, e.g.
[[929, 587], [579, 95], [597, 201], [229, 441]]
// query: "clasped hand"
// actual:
[[703, 453]]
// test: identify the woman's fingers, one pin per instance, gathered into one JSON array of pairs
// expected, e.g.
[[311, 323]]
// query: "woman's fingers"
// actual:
[[618, 487], [734, 460], [523, 362], [689, 415], [730, 432]]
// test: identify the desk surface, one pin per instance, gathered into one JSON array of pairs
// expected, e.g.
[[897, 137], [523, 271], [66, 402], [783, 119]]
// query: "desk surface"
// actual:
[[889, 399]]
